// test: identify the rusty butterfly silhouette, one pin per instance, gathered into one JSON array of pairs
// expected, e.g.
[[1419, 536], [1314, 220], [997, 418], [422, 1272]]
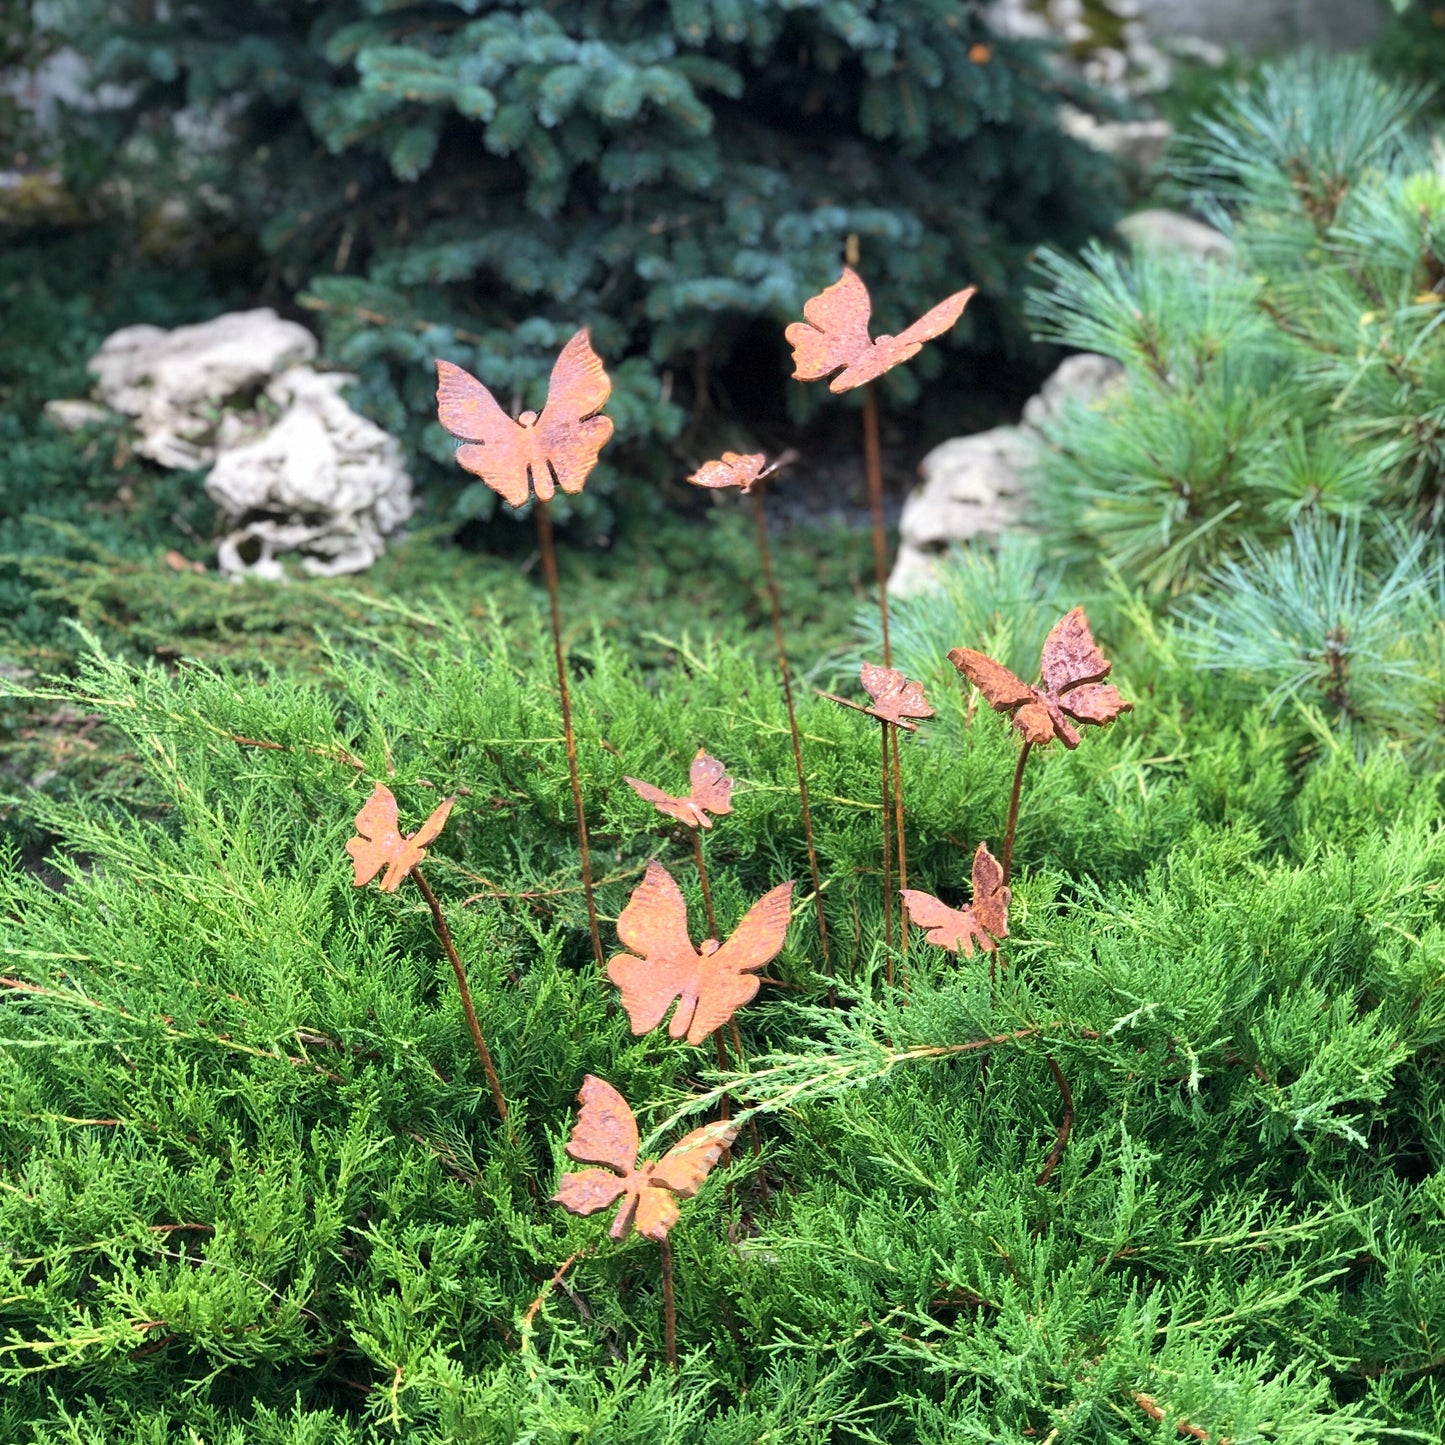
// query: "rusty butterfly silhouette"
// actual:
[[895, 698], [381, 843], [1073, 670], [710, 791], [708, 985], [557, 447], [734, 469], [606, 1134], [983, 922], [833, 336]]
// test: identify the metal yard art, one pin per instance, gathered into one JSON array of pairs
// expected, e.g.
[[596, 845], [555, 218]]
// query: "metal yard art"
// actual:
[[661, 972], [539, 452]]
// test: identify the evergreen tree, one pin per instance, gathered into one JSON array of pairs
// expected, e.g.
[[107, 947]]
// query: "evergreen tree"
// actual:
[[1301, 380], [473, 179]]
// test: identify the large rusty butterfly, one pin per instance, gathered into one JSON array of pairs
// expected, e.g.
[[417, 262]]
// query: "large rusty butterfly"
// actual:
[[1073, 670], [983, 922], [381, 843], [606, 1134], [556, 447], [708, 985], [833, 337]]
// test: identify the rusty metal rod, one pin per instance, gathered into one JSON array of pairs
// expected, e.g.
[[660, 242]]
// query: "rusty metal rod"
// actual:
[[549, 571]]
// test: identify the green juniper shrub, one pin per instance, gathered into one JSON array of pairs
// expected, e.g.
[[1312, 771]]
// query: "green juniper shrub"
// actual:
[[472, 180], [254, 1188], [1302, 379]]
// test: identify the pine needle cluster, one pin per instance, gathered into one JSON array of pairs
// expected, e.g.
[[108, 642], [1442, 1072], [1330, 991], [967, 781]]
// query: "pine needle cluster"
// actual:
[[1299, 382], [252, 1186]]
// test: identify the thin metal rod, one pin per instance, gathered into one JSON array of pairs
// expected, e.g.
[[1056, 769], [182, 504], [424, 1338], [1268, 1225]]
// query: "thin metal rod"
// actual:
[[444, 934], [549, 571], [702, 878], [1013, 814], [765, 556], [901, 843], [726, 1102], [887, 850], [873, 461], [1066, 1123], [669, 1307]]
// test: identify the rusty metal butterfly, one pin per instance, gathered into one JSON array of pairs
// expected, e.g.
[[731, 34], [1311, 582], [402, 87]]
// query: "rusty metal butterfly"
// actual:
[[709, 985], [733, 469], [381, 843], [833, 337], [710, 791], [606, 1134], [983, 922], [557, 447], [895, 698], [1073, 671]]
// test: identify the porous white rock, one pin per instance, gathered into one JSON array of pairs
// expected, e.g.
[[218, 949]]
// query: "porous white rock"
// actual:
[[323, 481], [176, 383], [973, 486]]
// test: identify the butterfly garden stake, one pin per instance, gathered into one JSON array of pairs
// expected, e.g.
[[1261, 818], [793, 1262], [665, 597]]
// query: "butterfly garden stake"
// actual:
[[897, 704], [380, 844], [1072, 690], [709, 791], [832, 341], [747, 472], [606, 1134], [537, 453]]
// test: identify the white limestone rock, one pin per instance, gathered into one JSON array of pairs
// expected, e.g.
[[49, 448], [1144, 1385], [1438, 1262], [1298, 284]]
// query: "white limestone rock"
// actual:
[[323, 481], [176, 383], [1173, 233], [973, 486]]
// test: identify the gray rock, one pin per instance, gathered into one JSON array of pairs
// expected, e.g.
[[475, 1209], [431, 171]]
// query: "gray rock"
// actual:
[[175, 383], [1138, 143], [973, 486], [1175, 234], [73, 415], [323, 481]]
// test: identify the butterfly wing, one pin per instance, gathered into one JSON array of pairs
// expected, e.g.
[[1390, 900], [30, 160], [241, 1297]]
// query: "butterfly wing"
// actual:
[[990, 896], [589, 1190], [950, 928], [711, 787], [834, 331], [725, 980], [410, 851], [1002, 690], [497, 450], [680, 808], [683, 1168], [571, 433], [379, 836], [934, 322], [657, 1212], [1071, 656], [605, 1131], [654, 925], [1094, 702]]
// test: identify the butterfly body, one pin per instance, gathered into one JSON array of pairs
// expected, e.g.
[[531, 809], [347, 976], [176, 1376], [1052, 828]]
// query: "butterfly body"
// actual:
[[606, 1134], [982, 923], [1072, 688], [710, 791], [539, 451], [833, 336], [381, 843], [707, 985]]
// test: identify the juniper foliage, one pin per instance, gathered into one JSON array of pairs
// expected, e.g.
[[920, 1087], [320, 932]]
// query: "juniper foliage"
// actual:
[[251, 1185], [1300, 381], [472, 180]]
